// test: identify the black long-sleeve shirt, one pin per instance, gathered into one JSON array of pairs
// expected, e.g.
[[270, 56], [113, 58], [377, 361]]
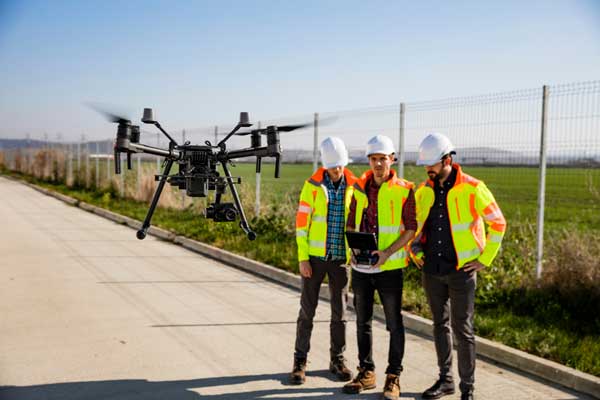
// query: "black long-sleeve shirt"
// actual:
[[440, 255]]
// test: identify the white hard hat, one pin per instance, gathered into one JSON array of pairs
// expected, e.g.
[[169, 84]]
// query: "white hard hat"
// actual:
[[380, 145], [433, 148], [333, 152]]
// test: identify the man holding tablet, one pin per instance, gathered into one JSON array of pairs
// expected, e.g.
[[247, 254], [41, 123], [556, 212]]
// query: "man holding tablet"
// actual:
[[383, 204]]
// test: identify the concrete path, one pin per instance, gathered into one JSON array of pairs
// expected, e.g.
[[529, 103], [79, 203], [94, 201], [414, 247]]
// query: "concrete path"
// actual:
[[88, 311]]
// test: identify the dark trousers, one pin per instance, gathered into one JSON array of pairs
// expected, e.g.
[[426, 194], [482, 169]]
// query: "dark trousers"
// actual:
[[338, 291], [452, 301], [389, 287]]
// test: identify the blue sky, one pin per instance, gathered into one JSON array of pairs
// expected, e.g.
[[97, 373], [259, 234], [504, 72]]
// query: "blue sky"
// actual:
[[199, 63]]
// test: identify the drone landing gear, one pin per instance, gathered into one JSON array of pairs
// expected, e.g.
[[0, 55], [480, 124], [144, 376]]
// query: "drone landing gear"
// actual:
[[243, 221], [141, 234]]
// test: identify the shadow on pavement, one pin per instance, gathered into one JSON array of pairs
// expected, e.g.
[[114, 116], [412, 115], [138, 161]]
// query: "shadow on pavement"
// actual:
[[183, 390]]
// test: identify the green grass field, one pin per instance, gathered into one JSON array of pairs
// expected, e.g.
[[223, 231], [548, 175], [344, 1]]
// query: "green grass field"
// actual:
[[572, 195]]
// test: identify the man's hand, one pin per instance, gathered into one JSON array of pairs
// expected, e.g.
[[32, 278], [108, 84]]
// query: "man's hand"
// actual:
[[419, 262], [305, 269], [473, 266], [383, 256]]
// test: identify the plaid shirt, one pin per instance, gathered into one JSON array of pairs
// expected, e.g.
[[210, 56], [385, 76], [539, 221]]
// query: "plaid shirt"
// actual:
[[336, 244]]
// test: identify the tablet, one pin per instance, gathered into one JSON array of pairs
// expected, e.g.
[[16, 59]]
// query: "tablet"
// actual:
[[361, 240]]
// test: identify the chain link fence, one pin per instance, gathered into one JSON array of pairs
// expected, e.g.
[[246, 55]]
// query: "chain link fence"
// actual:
[[530, 159]]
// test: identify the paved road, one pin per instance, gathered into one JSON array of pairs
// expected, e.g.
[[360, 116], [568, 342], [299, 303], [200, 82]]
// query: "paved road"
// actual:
[[89, 312]]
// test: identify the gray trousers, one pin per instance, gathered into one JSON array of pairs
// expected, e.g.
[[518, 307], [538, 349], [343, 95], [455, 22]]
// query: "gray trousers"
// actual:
[[338, 290], [452, 301]]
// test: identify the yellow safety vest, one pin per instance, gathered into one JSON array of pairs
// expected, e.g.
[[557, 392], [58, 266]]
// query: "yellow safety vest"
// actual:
[[311, 217], [390, 201], [469, 204]]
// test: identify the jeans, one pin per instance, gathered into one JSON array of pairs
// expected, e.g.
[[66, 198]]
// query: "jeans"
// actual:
[[452, 301], [389, 287], [338, 291]]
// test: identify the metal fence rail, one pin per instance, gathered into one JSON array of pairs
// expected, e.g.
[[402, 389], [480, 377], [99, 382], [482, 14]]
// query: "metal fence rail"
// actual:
[[545, 142]]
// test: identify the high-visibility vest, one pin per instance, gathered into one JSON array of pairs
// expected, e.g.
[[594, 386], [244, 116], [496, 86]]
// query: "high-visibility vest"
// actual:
[[311, 217], [390, 201], [470, 203]]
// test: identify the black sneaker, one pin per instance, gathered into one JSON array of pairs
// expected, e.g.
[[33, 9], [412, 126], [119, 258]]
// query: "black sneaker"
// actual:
[[444, 386]]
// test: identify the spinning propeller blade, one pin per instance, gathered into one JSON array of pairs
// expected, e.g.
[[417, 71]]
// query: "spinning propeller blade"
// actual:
[[111, 116]]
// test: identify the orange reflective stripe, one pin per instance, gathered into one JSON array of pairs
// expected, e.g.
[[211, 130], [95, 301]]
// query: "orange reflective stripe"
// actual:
[[476, 228], [472, 207], [301, 220], [457, 208], [498, 226], [302, 215]]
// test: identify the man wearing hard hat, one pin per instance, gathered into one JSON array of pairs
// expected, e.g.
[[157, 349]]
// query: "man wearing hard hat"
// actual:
[[383, 204], [451, 247], [322, 250]]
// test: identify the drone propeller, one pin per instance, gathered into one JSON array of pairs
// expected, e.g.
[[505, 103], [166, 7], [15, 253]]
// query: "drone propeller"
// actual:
[[283, 128], [109, 115]]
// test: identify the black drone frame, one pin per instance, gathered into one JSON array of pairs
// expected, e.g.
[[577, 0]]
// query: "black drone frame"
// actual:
[[197, 165]]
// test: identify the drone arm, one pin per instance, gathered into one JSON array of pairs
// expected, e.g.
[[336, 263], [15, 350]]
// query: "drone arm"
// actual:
[[142, 148], [165, 132], [141, 234], [251, 152]]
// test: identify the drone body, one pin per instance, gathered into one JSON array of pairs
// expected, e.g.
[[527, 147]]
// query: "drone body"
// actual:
[[197, 164]]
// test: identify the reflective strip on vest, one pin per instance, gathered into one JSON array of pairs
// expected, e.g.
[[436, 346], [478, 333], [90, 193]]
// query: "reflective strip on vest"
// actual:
[[469, 253], [391, 228], [304, 209], [495, 237], [493, 215], [400, 254], [319, 218], [316, 243], [301, 232], [461, 227]]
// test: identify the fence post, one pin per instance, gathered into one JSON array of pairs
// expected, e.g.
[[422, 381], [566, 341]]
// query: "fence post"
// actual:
[[122, 181], [97, 171], [157, 159], [139, 173], [316, 143], [257, 196], [542, 185], [70, 164], [87, 165], [108, 179], [79, 160], [216, 135], [181, 191], [401, 143]]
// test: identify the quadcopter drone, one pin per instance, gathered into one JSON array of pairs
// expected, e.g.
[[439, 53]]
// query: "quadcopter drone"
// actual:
[[197, 164]]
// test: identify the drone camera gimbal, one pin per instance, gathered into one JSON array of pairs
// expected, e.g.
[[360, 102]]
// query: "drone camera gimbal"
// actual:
[[197, 165]]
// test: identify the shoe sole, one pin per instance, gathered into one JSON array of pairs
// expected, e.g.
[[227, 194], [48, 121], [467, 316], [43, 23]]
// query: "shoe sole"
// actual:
[[440, 396], [357, 391], [294, 381]]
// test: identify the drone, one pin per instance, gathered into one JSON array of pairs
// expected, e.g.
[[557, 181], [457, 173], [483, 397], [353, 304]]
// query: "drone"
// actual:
[[197, 164]]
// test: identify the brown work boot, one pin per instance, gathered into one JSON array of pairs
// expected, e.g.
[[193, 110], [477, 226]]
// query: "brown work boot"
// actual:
[[391, 389], [363, 381], [298, 375], [338, 367]]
